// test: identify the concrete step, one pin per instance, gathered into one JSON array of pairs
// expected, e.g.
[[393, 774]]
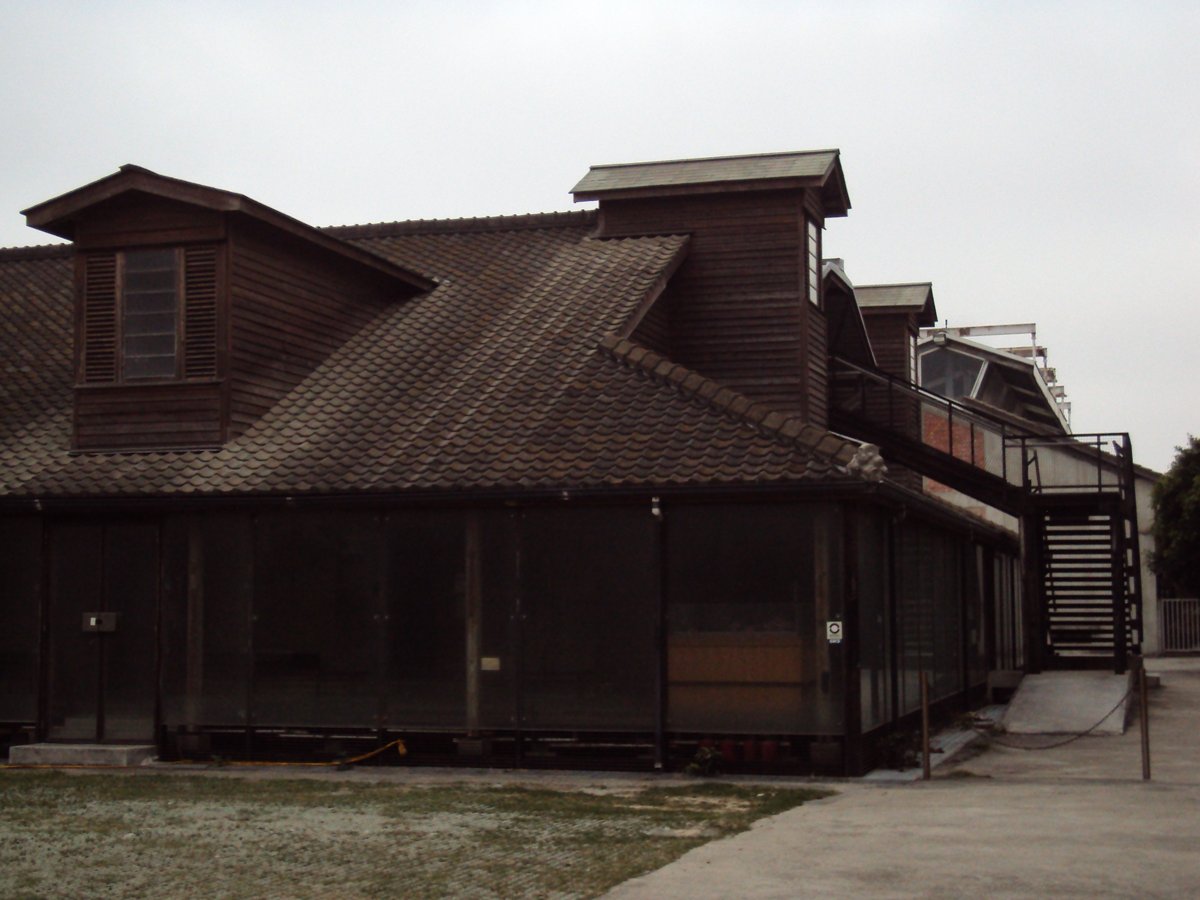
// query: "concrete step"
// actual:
[[81, 754]]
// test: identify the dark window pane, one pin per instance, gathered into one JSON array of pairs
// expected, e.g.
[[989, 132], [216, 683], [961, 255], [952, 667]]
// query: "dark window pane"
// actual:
[[20, 568], [875, 668], [149, 313], [425, 662], [140, 260], [206, 620], [150, 323], [130, 591], [589, 609], [149, 302], [75, 588], [150, 345], [154, 280], [750, 591], [316, 620], [150, 367]]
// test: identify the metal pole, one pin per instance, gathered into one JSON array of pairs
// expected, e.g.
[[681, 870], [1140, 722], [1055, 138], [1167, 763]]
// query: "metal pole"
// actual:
[[924, 726], [1144, 716]]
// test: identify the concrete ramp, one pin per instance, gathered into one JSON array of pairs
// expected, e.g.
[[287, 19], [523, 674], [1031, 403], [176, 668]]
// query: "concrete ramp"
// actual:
[[1069, 703], [80, 754]]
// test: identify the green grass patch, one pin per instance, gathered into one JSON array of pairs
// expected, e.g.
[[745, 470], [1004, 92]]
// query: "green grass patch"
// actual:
[[168, 835]]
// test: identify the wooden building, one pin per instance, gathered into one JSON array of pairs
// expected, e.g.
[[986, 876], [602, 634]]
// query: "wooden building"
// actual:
[[540, 490]]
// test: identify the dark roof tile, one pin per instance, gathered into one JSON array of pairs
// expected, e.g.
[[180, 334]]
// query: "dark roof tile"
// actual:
[[507, 375]]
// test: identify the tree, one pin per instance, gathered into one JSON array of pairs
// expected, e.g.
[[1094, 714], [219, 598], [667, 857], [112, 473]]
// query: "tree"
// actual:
[[1177, 523]]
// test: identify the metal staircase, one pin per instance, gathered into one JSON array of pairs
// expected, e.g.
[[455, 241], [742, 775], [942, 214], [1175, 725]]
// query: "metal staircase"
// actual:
[[1073, 495]]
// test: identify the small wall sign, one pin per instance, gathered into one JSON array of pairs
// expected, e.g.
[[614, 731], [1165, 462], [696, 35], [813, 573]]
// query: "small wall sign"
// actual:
[[833, 631]]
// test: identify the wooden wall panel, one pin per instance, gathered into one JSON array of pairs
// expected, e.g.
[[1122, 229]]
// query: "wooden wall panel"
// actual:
[[654, 331], [818, 368], [139, 221], [736, 306], [148, 416], [890, 333], [289, 312]]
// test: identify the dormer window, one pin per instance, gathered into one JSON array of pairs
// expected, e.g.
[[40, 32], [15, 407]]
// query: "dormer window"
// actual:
[[149, 315], [197, 309]]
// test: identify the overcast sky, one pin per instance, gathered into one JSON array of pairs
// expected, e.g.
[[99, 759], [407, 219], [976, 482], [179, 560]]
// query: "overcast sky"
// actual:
[[1038, 162]]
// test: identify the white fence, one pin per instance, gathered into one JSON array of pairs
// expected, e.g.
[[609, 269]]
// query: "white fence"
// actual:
[[1179, 624]]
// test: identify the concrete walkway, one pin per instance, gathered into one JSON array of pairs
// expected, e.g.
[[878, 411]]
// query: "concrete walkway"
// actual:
[[1072, 821]]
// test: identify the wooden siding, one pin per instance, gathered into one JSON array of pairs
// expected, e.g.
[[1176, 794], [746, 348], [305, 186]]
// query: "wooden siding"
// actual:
[[654, 331], [290, 310], [890, 333], [138, 220], [148, 416], [737, 308]]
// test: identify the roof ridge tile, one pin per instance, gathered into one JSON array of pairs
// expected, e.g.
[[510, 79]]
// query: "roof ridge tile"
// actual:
[[36, 251], [515, 222], [828, 449]]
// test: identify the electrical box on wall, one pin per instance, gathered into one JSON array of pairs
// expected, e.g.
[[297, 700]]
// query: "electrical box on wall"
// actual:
[[101, 622]]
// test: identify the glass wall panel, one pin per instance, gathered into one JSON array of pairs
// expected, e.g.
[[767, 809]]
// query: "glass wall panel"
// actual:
[[946, 582], [76, 569], [499, 551], [914, 614], [130, 651], [425, 671], [750, 589], [1009, 622], [589, 610], [317, 619], [20, 602], [976, 639], [874, 628], [207, 585]]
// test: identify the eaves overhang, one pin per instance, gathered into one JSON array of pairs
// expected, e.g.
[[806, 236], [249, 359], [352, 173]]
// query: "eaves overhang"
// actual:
[[58, 216], [818, 170]]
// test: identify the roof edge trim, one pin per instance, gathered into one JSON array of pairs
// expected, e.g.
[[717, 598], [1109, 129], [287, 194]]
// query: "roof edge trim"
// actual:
[[56, 215]]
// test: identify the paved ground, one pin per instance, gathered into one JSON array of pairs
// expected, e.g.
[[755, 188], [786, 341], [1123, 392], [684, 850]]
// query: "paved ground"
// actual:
[[1072, 821]]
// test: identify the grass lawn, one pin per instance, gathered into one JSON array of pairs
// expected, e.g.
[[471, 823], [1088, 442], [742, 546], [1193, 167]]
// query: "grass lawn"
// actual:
[[186, 836]]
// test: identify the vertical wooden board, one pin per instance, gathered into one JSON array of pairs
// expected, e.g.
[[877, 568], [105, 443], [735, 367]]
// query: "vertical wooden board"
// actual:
[[474, 617], [737, 304]]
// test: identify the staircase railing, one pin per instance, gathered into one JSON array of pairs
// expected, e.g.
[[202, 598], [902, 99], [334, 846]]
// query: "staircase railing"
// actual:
[[889, 404], [1086, 463], [1099, 462], [1004, 465]]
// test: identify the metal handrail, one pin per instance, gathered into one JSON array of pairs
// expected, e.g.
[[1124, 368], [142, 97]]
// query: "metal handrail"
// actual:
[[1113, 472], [977, 421]]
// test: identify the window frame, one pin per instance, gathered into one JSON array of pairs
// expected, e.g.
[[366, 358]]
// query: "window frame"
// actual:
[[178, 314], [812, 261], [102, 316]]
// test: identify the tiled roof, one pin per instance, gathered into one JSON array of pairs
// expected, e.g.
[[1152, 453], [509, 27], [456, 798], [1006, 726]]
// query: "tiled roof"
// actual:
[[672, 172], [871, 296], [916, 297], [507, 377]]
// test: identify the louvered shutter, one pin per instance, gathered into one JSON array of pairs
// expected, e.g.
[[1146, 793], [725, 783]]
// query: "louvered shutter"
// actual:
[[200, 312], [99, 365]]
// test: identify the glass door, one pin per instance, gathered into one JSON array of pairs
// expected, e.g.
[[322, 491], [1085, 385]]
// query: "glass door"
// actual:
[[103, 610]]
